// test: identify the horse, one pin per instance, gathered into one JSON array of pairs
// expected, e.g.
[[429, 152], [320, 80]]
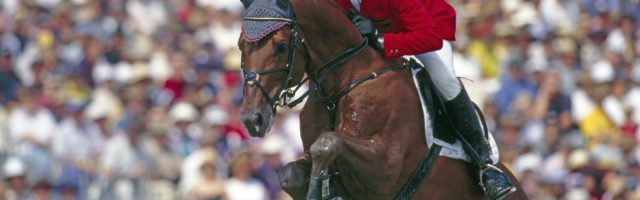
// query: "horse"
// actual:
[[362, 125]]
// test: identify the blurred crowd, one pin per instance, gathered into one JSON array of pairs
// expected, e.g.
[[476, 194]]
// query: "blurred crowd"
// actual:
[[139, 99], [559, 84], [130, 99]]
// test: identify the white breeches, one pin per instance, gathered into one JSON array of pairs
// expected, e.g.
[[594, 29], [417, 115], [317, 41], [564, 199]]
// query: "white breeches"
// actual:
[[439, 65]]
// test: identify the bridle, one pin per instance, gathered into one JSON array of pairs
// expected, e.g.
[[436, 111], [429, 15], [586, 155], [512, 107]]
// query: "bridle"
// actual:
[[252, 78], [284, 97]]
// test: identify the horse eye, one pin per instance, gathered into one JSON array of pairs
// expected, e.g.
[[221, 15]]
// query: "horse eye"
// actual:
[[281, 48]]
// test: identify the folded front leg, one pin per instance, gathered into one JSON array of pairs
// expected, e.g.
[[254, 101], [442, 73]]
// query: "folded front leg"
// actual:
[[294, 177], [379, 160], [323, 152]]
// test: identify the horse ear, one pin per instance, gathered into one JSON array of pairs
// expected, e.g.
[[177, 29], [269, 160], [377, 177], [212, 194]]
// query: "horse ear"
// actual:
[[246, 3]]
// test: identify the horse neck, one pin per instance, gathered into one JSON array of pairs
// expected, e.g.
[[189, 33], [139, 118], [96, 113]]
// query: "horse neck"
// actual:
[[329, 33]]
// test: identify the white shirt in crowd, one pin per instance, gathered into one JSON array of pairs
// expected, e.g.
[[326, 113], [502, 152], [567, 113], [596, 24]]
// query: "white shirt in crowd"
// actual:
[[71, 141], [245, 190], [39, 124], [119, 156]]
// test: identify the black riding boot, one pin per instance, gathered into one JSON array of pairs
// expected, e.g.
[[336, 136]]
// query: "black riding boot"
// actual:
[[465, 120]]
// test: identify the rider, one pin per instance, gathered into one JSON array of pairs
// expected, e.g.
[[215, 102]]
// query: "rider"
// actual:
[[424, 28]]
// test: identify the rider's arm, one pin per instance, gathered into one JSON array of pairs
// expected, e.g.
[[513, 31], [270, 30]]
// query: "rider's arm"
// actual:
[[424, 28]]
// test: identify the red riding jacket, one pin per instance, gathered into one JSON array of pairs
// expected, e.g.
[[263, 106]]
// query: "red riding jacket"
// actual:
[[409, 27]]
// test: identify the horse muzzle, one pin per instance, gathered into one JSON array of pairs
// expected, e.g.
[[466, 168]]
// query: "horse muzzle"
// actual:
[[257, 124]]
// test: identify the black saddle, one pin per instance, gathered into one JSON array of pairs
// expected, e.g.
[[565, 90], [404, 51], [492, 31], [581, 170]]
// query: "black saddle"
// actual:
[[441, 127]]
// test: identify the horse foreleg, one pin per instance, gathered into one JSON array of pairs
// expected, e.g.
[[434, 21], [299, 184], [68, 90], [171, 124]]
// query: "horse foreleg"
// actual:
[[380, 155], [323, 151], [294, 177]]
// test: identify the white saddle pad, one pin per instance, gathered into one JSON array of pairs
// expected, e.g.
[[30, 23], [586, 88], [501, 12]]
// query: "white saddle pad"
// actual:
[[455, 150]]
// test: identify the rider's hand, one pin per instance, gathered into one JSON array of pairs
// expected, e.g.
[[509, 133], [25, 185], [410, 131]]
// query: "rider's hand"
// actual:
[[364, 25], [366, 28]]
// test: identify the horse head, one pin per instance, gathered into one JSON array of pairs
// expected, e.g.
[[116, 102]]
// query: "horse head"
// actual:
[[271, 61], [275, 56]]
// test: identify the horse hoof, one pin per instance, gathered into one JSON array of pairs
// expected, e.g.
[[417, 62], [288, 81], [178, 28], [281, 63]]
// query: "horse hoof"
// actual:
[[294, 179]]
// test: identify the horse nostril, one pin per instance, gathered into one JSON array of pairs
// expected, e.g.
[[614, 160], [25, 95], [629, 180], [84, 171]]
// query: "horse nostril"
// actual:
[[258, 121]]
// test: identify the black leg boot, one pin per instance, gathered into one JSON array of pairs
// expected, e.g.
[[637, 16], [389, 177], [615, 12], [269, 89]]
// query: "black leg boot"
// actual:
[[464, 119]]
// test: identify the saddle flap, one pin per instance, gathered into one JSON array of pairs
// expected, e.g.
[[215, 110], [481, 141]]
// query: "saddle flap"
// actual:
[[441, 128]]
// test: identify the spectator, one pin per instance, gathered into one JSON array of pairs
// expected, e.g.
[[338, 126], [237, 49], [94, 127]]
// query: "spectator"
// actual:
[[123, 165], [71, 145], [30, 129], [98, 129], [68, 192], [175, 85], [184, 135], [164, 168], [9, 81], [191, 166], [208, 186], [629, 127], [15, 175], [215, 122], [594, 123], [513, 84], [566, 64], [42, 191], [267, 172], [241, 185]]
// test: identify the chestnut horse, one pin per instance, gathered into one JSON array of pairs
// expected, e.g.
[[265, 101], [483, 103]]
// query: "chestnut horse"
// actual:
[[365, 130]]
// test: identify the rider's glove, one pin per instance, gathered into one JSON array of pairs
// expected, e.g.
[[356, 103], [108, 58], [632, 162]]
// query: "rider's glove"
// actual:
[[366, 28]]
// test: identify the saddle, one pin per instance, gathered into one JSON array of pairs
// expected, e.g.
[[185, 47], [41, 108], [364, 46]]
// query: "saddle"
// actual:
[[431, 97]]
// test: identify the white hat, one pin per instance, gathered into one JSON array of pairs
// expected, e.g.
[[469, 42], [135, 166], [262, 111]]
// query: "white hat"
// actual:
[[95, 111], [578, 158], [577, 194], [139, 71], [123, 72], [526, 14], [536, 65], [183, 111], [215, 115], [272, 145], [103, 72], [510, 6], [13, 167], [616, 42], [232, 60], [529, 161], [601, 72]]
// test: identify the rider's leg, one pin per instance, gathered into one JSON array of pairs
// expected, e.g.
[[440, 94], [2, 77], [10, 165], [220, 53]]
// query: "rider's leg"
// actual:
[[439, 65]]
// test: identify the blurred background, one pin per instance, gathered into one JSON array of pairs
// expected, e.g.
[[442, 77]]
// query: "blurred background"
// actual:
[[139, 99]]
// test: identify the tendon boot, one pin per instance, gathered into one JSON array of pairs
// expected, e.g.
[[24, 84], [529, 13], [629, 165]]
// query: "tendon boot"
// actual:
[[464, 118]]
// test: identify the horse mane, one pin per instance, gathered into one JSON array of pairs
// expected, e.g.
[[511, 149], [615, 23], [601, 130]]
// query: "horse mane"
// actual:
[[332, 24]]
